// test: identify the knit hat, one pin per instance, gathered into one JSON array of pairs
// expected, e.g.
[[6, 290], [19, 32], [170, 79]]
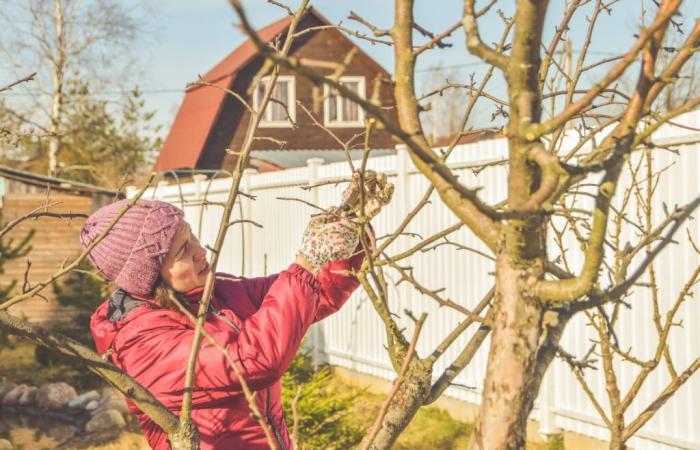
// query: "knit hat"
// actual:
[[133, 251]]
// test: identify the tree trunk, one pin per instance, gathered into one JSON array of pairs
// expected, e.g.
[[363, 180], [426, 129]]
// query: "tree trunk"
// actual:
[[617, 430], [522, 347], [412, 394]]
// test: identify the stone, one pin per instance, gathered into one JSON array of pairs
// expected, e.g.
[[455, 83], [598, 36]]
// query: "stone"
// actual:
[[92, 405], [118, 404], [54, 395], [107, 420], [6, 445], [6, 387], [111, 399], [12, 397], [28, 397], [83, 399]]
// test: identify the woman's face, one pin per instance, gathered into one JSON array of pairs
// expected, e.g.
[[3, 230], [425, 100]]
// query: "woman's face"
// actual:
[[185, 267]]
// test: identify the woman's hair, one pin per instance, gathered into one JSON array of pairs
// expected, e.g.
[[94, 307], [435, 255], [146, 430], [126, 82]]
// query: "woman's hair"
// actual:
[[167, 297]]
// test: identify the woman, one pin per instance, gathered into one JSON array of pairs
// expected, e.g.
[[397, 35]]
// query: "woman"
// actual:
[[155, 261]]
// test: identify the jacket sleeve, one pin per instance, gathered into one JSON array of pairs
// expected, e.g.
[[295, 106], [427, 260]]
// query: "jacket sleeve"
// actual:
[[338, 282], [263, 346], [257, 288]]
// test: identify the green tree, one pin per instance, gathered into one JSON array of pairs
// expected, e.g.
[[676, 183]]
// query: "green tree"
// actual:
[[100, 144], [8, 251]]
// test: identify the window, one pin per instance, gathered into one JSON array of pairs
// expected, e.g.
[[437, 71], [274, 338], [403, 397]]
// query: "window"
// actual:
[[341, 112], [275, 114]]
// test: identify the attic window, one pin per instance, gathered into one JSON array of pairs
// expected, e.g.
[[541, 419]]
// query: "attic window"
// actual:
[[341, 112], [275, 114]]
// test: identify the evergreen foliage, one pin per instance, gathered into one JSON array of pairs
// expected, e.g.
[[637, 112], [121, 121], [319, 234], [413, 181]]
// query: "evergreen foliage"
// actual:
[[101, 143], [323, 410]]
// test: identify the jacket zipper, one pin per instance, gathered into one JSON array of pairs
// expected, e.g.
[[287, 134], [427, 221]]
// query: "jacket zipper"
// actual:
[[278, 435], [268, 412]]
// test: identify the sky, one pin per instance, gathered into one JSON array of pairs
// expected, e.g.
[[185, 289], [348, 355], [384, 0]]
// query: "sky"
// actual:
[[186, 38]]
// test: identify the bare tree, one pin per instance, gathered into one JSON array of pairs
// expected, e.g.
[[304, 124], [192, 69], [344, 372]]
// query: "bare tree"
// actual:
[[64, 39], [446, 97], [636, 209], [534, 297]]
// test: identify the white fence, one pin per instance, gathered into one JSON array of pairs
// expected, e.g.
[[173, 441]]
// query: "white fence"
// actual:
[[354, 337]]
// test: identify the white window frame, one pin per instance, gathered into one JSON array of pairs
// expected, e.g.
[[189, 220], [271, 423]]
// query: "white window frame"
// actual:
[[291, 103], [326, 106]]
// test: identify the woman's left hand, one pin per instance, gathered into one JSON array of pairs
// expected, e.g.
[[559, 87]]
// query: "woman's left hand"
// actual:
[[377, 193]]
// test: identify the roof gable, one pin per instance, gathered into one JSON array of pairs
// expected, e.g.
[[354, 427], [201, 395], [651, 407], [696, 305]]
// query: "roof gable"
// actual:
[[201, 106]]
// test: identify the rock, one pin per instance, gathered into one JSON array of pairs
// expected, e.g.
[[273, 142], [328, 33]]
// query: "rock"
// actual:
[[5, 388], [54, 395], [83, 399], [111, 399], [28, 397], [6, 445], [13, 396], [92, 405], [106, 420]]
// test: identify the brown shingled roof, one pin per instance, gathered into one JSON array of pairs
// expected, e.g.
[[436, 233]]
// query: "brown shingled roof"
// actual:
[[200, 108]]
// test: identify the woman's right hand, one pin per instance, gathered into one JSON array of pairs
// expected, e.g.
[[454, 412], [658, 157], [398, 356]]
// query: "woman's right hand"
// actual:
[[328, 237]]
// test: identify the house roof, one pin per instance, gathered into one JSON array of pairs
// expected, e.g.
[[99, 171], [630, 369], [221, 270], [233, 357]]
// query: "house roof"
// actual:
[[201, 106], [56, 184]]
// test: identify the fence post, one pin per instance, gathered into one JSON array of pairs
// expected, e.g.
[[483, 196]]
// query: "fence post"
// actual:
[[403, 166], [246, 212], [313, 164], [198, 200]]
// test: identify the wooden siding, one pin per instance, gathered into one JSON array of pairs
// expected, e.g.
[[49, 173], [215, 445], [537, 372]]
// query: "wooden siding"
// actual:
[[54, 241], [324, 45]]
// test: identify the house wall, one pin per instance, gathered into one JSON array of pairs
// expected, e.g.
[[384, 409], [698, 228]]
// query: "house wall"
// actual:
[[54, 241], [325, 45]]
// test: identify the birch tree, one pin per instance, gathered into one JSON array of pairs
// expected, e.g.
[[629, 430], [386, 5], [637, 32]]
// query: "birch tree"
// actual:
[[65, 39]]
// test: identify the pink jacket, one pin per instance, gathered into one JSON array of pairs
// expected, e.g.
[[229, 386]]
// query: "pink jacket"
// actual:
[[261, 321]]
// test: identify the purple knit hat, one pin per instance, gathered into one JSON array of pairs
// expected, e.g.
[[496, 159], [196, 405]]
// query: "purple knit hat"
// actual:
[[134, 249]]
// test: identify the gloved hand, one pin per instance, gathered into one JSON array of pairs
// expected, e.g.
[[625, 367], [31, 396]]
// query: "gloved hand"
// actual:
[[377, 194], [334, 235], [328, 237]]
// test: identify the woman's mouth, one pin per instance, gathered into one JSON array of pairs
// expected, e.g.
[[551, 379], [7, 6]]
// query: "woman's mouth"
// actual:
[[204, 270]]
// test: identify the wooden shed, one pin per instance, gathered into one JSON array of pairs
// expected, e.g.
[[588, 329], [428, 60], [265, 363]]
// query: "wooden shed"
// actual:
[[55, 240]]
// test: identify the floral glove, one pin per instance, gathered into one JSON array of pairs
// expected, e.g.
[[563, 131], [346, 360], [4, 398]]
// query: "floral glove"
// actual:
[[329, 237], [334, 235], [377, 194]]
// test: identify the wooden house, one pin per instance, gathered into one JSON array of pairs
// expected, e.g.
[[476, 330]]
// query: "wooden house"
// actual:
[[55, 241], [210, 121]]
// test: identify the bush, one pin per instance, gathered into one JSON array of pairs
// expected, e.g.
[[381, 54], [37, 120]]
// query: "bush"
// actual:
[[323, 411], [83, 291]]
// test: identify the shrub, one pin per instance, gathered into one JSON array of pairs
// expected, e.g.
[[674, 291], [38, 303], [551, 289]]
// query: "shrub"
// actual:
[[323, 411]]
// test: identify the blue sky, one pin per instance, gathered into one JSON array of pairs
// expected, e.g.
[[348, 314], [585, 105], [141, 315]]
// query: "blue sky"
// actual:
[[191, 36], [186, 38]]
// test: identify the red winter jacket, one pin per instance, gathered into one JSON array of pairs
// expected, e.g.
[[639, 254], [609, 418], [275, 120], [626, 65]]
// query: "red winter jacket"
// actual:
[[261, 321]]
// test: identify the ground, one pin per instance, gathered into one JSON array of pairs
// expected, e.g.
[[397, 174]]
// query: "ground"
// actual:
[[431, 429]]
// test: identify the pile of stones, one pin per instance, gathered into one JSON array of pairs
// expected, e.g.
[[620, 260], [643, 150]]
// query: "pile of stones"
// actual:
[[98, 411]]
